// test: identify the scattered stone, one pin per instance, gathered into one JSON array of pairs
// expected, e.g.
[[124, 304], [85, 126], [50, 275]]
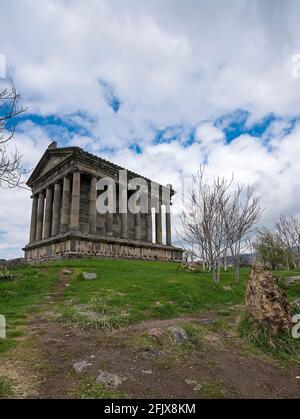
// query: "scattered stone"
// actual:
[[190, 266], [207, 322], [227, 288], [147, 372], [91, 315], [151, 353], [291, 280], [15, 263], [179, 334], [156, 332], [296, 303], [81, 366], [89, 276], [109, 380], [267, 303], [67, 272], [7, 277]]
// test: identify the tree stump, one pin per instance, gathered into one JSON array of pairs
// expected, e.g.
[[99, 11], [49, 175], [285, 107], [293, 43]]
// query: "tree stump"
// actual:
[[266, 303]]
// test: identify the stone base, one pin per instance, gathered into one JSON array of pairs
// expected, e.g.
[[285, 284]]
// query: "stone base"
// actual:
[[76, 245]]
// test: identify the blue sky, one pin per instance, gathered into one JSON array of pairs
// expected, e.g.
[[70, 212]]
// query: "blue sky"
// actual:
[[158, 87]]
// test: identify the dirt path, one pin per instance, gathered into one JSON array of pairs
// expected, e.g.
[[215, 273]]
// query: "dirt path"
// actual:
[[219, 369]]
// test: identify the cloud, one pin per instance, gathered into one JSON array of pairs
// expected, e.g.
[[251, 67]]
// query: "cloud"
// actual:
[[159, 87]]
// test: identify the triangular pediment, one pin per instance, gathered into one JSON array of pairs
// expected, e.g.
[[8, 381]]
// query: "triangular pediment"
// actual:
[[50, 159], [53, 161]]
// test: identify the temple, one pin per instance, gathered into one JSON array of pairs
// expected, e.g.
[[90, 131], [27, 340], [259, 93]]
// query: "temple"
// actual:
[[65, 221]]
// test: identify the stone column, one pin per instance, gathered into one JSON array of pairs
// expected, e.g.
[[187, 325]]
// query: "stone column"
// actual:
[[158, 224], [93, 208], [56, 209], [65, 205], [48, 213], [149, 221], [123, 204], [168, 225], [33, 219], [75, 207], [109, 224], [40, 217], [137, 223]]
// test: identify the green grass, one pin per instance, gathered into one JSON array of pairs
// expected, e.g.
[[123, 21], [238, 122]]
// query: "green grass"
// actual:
[[5, 388], [124, 292], [21, 297], [282, 347], [210, 389], [132, 291], [89, 390]]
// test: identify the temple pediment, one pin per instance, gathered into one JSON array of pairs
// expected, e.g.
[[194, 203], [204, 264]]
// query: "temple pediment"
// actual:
[[51, 159]]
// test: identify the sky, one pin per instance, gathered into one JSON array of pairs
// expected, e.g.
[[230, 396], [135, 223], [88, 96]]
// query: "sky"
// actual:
[[158, 87]]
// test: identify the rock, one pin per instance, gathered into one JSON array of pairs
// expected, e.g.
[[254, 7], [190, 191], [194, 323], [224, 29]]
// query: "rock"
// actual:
[[190, 266], [156, 332], [81, 366], [89, 276], [109, 380], [67, 272], [15, 263], [179, 334], [291, 280], [296, 303], [207, 322], [266, 303], [147, 372]]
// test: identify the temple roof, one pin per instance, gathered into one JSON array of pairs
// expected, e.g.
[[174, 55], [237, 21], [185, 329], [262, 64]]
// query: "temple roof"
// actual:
[[54, 156]]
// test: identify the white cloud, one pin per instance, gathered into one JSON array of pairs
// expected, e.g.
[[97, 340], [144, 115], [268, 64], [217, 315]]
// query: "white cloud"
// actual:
[[170, 63]]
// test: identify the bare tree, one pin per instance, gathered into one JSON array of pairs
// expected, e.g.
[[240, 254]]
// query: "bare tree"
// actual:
[[285, 235], [11, 169], [202, 221], [216, 220], [241, 216]]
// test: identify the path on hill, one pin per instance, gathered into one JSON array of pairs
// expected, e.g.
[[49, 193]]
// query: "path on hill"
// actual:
[[218, 369]]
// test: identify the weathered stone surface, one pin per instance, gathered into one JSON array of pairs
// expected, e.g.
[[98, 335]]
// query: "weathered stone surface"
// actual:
[[190, 266], [69, 175], [67, 272], [7, 277], [81, 366], [267, 303], [296, 303], [292, 280], [178, 334], [156, 332], [14, 263], [89, 276], [109, 380]]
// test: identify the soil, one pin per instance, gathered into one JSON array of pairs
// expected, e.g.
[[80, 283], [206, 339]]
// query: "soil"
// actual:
[[220, 368]]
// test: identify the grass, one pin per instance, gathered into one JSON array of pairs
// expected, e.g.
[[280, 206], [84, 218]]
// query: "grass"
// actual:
[[283, 347], [210, 389], [167, 346], [124, 292], [5, 388], [89, 390], [22, 296], [131, 291]]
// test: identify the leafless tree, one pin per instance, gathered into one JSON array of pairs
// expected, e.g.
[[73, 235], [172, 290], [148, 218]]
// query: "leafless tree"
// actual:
[[287, 230], [241, 215], [11, 169], [216, 220]]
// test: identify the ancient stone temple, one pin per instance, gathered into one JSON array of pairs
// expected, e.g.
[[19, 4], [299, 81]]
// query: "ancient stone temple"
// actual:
[[66, 222]]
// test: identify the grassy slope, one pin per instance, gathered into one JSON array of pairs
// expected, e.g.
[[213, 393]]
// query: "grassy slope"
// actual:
[[145, 290], [124, 292], [20, 297]]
